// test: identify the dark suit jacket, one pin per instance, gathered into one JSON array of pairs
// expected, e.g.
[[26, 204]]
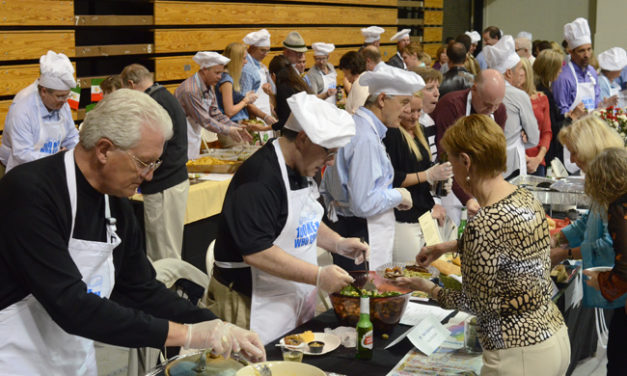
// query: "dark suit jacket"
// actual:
[[396, 61]]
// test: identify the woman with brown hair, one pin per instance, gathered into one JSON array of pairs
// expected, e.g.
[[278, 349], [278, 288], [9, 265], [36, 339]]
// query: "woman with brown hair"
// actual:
[[536, 164], [505, 260], [440, 58], [412, 54], [288, 82]]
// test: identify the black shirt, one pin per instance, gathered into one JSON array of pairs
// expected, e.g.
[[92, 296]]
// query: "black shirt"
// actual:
[[173, 169], [283, 91], [556, 149], [253, 214], [456, 78], [35, 223], [404, 162]]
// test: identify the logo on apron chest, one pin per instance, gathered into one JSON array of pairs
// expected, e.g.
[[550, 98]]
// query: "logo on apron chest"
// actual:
[[306, 232]]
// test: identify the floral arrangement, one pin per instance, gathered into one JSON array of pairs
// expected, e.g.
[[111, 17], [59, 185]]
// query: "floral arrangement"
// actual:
[[616, 118]]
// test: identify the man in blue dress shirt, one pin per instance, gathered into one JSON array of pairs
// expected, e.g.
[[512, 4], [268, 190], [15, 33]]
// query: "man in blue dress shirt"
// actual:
[[357, 189]]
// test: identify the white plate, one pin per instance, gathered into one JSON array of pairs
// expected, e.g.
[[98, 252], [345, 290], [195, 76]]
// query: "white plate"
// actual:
[[331, 342], [599, 269]]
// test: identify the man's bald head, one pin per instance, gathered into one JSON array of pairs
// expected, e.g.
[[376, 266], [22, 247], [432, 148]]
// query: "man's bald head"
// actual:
[[488, 91]]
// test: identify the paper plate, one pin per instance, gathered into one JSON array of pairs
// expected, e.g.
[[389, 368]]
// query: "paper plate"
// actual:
[[381, 269], [331, 342]]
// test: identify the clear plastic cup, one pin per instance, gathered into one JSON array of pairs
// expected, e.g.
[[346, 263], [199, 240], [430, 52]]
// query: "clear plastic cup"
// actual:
[[292, 355]]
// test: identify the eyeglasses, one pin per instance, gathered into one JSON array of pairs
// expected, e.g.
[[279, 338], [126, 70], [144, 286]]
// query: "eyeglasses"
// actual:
[[143, 167]]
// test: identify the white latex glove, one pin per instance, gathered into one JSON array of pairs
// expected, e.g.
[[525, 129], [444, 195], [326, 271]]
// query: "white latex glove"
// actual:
[[269, 119], [332, 278], [439, 172], [247, 343], [353, 248], [214, 335], [250, 97], [406, 202], [239, 134]]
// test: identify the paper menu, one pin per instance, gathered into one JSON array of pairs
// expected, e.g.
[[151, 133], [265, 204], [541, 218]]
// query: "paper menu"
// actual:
[[415, 313], [429, 228]]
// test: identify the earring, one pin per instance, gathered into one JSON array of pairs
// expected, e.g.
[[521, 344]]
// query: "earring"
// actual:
[[468, 179]]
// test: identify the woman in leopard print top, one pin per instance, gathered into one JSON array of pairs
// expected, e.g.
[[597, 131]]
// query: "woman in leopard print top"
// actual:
[[505, 260]]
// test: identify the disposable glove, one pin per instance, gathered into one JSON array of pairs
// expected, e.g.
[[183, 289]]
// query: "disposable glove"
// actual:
[[353, 248], [406, 201], [247, 343], [439, 172], [214, 335], [332, 278]]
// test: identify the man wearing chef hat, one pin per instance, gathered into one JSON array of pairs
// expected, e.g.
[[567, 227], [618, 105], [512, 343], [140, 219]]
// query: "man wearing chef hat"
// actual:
[[577, 89], [520, 117], [523, 46], [357, 190], [612, 62], [72, 263], [39, 122], [491, 35], [255, 75], [265, 271], [198, 98], [372, 35], [402, 40], [322, 77]]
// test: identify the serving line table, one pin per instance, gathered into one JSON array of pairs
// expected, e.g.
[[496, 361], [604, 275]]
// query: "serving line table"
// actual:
[[579, 319]]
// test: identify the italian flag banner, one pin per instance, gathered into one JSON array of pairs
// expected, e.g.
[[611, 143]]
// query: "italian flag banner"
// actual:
[[90, 107], [96, 91], [75, 98]]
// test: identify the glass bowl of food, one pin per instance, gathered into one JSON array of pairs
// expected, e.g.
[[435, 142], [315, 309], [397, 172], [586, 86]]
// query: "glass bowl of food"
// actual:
[[387, 301]]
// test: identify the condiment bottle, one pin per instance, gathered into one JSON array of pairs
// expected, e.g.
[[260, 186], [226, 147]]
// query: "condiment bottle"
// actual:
[[365, 335], [462, 223]]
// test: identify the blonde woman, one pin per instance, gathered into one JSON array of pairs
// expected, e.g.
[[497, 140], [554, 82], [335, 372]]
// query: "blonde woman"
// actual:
[[231, 101], [536, 164], [505, 260], [409, 153], [606, 184]]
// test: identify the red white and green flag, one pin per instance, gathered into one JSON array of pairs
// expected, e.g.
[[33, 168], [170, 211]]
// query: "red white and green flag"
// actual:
[[75, 98], [96, 91]]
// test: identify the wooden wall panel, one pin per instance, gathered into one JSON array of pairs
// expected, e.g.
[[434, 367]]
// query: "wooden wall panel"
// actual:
[[200, 13], [4, 109], [432, 34], [36, 12], [431, 49], [391, 3], [434, 3], [25, 45], [433, 17], [216, 39], [180, 67], [14, 78]]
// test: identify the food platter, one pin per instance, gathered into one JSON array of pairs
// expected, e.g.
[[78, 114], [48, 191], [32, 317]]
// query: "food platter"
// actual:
[[331, 342], [406, 269]]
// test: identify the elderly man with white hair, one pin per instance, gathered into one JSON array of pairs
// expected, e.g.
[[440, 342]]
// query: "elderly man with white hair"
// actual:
[[266, 274], [72, 265], [402, 40], [521, 127], [197, 96], [358, 190], [611, 62], [523, 46], [322, 77], [39, 122]]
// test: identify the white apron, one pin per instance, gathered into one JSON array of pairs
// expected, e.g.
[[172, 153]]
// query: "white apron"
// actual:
[[585, 94], [329, 81], [194, 131], [51, 135], [450, 202], [279, 305], [263, 100], [380, 226], [31, 342]]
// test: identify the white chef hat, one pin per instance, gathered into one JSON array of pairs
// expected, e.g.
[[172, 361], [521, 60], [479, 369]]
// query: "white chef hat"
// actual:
[[372, 34], [502, 56], [56, 72], [577, 33], [614, 59], [324, 123], [474, 36], [259, 38], [392, 81], [322, 49], [207, 59], [400, 35], [525, 34]]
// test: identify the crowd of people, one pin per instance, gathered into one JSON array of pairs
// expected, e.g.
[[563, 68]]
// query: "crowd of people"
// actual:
[[414, 136]]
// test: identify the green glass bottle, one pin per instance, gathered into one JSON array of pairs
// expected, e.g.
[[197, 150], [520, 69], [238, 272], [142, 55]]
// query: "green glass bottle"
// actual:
[[365, 335], [462, 223]]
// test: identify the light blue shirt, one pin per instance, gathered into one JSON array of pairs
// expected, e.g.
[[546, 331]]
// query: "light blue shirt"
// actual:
[[249, 79], [622, 79], [360, 182], [605, 85], [481, 60], [23, 126]]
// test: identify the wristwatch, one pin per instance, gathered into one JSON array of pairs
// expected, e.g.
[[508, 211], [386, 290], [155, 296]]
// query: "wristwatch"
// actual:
[[570, 253]]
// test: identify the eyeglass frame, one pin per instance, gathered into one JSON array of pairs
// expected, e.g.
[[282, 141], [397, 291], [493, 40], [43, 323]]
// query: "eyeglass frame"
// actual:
[[143, 167], [330, 154]]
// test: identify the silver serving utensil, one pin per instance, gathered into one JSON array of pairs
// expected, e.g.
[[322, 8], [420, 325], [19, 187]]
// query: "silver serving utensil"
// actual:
[[260, 369]]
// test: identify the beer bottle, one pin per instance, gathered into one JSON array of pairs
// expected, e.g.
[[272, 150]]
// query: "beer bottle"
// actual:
[[462, 223], [364, 330]]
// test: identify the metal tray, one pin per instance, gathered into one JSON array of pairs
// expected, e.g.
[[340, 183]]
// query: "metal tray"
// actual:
[[550, 196]]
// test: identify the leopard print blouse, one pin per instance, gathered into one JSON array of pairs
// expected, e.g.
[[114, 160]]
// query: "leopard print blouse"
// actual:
[[505, 268]]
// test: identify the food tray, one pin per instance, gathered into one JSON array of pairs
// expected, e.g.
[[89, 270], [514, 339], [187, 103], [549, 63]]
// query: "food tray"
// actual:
[[547, 193], [211, 164], [435, 273]]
